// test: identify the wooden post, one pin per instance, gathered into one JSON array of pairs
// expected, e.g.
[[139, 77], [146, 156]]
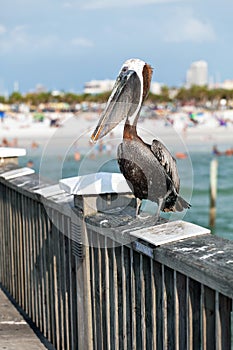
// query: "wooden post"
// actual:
[[213, 191]]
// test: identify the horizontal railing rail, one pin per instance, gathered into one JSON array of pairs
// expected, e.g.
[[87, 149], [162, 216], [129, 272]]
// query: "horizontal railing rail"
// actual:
[[89, 283]]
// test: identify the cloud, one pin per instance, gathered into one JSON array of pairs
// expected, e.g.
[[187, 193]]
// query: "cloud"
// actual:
[[100, 4], [82, 42], [185, 27], [19, 39], [13, 38], [67, 4], [2, 29]]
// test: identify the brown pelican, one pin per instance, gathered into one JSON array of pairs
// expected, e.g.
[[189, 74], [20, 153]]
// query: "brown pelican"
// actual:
[[150, 170]]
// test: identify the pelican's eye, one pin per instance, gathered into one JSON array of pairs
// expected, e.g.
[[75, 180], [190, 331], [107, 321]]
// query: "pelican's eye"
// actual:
[[123, 72], [124, 69]]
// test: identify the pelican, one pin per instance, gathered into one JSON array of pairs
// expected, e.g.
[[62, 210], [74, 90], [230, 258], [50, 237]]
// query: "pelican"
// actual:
[[150, 170]]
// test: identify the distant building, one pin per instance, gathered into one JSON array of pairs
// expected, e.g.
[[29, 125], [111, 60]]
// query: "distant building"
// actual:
[[95, 87], [155, 88], [173, 92], [16, 86], [197, 74], [227, 84], [40, 88]]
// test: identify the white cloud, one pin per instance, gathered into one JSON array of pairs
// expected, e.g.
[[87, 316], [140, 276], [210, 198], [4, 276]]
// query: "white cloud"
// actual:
[[19, 39], [67, 5], [13, 38], [99, 4], [2, 29], [185, 27], [82, 42]]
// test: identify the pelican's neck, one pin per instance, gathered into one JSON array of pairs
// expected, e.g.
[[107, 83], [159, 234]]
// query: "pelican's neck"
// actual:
[[130, 129], [133, 120]]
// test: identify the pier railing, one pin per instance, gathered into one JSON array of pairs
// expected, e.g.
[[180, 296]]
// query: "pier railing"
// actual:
[[86, 287]]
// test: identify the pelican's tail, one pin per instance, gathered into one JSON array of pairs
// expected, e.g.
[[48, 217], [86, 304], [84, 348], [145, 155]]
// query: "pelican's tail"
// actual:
[[176, 204]]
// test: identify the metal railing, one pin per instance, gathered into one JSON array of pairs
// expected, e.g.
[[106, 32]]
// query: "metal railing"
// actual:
[[108, 293]]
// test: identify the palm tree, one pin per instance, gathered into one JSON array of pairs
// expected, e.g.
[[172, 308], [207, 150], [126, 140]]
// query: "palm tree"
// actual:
[[2, 99], [15, 97]]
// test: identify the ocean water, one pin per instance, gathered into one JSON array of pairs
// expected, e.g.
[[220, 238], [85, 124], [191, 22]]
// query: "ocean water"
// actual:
[[194, 174]]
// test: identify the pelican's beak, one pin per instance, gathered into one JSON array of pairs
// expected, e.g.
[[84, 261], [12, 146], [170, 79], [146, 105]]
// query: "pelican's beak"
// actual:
[[122, 103]]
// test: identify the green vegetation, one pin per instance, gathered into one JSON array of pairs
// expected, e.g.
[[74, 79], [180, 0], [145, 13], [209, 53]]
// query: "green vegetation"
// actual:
[[201, 94], [196, 94], [15, 97], [2, 99]]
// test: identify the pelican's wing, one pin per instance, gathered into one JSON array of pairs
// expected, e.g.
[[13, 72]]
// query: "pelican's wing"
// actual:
[[167, 161]]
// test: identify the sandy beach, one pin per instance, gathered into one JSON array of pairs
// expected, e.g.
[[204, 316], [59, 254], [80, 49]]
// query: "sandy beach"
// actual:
[[75, 131]]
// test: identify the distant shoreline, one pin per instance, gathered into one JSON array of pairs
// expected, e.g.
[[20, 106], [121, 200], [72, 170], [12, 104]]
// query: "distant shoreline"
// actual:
[[79, 129]]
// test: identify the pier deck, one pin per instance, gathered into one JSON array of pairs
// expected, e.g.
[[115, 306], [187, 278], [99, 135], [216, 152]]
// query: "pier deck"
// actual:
[[15, 332]]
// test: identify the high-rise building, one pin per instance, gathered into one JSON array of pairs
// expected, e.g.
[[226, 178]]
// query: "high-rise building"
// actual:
[[16, 86], [197, 74]]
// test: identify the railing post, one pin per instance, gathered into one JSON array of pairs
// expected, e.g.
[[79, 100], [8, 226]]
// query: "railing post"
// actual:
[[10, 155], [82, 273]]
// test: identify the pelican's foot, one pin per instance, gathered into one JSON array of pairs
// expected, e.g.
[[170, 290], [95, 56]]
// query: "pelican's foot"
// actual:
[[144, 216], [149, 220]]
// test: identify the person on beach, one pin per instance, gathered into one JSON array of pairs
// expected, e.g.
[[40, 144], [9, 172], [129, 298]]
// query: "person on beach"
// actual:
[[77, 154], [5, 142], [2, 115], [30, 164], [216, 152], [34, 145]]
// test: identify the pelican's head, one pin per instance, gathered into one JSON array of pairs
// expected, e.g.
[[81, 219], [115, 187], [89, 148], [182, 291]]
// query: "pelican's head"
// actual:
[[130, 90]]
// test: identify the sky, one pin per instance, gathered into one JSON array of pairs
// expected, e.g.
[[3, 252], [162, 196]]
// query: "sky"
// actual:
[[61, 44]]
